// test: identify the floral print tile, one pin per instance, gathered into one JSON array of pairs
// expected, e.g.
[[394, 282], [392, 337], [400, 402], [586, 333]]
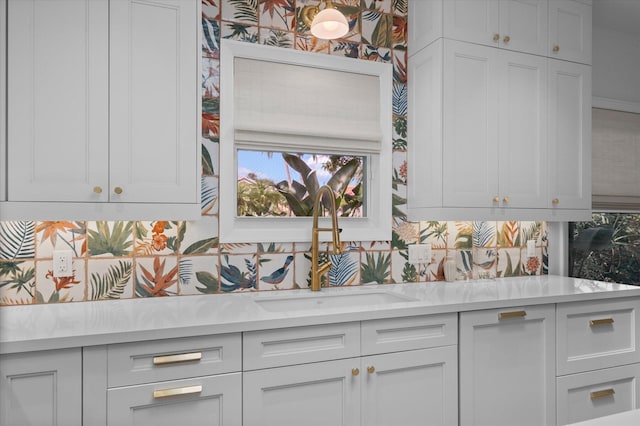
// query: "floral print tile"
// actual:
[[532, 265], [110, 279], [60, 235], [156, 276], [210, 78], [276, 271], [405, 233], [399, 33], [50, 289], [17, 240], [199, 274], [277, 14], [158, 237]]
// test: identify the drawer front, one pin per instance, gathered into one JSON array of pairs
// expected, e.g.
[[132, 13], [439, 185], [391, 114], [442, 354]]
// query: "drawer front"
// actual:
[[212, 400], [158, 360], [300, 345], [594, 335], [404, 334], [598, 393]]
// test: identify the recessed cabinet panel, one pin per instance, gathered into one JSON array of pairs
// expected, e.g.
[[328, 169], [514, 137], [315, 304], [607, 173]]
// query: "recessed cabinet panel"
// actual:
[[524, 25], [570, 31], [3, 103], [474, 21], [58, 128], [153, 110]]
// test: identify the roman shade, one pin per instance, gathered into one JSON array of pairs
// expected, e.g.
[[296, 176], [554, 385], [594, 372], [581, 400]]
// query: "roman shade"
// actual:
[[616, 160], [288, 107]]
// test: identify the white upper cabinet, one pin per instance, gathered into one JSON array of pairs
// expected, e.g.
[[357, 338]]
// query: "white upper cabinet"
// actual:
[[102, 106], [570, 30]]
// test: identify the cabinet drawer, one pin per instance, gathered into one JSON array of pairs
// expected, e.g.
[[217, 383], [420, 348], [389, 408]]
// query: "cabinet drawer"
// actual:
[[596, 335], [218, 399], [598, 393], [403, 334], [158, 360], [299, 345]]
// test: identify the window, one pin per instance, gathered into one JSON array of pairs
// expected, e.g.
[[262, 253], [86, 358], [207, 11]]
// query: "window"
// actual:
[[607, 248], [293, 107]]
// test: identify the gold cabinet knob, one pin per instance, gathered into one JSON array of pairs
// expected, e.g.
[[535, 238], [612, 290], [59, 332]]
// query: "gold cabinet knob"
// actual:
[[371, 369], [555, 201], [355, 371], [97, 189], [506, 199], [496, 199], [117, 190], [556, 48], [506, 39], [496, 37]]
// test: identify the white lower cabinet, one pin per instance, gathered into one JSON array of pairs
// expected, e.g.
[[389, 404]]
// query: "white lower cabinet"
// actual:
[[507, 367], [41, 388]]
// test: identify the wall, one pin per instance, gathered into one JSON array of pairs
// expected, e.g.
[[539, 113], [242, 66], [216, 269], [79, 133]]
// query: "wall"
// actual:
[[619, 82], [143, 259]]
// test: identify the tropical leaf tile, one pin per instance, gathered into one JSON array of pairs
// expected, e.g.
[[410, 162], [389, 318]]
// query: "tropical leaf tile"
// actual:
[[460, 235], [400, 7], [240, 32], [200, 236], [381, 5], [66, 235], [401, 270], [308, 43], [434, 270], [509, 263], [531, 231], [210, 34], [110, 279], [211, 9], [508, 234], [399, 99], [110, 238], [400, 66], [277, 38], [156, 276], [275, 247], [485, 261], [376, 267], [399, 33], [278, 14], [484, 234], [158, 237], [532, 265], [399, 161], [434, 233], [399, 133], [209, 195], [376, 54], [302, 269], [50, 289], [17, 282], [464, 262], [276, 271], [210, 78], [238, 273], [210, 154], [240, 10], [17, 240], [405, 233], [344, 48], [345, 268], [198, 274]]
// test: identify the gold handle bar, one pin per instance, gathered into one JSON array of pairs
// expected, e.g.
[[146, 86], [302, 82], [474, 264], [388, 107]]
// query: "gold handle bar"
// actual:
[[602, 394], [174, 359], [603, 321], [185, 390], [512, 314]]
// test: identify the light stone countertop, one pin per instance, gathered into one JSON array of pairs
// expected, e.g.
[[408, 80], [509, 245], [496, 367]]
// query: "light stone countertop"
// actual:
[[626, 418], [63, 325]]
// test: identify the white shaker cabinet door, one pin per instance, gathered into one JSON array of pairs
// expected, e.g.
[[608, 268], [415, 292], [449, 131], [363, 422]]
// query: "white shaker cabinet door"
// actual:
[[412, 388], [522, 136], [57, 105], [569, 135], [475, 21], [41, 388], [470, 129], [153, 109], [570, 31], [507, 367], [318, 394], [524, 26]]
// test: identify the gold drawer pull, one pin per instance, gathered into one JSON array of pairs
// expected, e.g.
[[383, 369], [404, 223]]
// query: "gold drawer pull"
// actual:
[[355, 371], [174, 359], [185, 390], [598, 322], [371, 369], [513, 314], [602, 394]]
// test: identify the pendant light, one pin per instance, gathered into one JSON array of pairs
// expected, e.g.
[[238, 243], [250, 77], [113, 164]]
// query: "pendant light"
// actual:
[[328, 23]]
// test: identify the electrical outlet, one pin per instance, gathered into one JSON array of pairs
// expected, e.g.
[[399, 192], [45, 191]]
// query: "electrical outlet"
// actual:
[[62, 263], [419, 253]]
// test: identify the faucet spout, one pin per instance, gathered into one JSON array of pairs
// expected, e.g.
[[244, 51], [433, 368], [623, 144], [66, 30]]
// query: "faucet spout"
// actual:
[[317, 270]]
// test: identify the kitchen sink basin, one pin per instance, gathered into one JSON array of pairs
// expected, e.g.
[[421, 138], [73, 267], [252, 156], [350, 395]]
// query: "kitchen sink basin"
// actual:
[[328, 301]]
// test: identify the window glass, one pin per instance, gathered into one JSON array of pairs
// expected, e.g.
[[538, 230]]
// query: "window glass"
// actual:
[[284, 184], [607, 248]]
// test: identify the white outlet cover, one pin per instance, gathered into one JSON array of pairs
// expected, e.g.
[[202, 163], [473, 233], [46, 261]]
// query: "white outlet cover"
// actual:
[[531, 248], [62, 263], [419, 253]]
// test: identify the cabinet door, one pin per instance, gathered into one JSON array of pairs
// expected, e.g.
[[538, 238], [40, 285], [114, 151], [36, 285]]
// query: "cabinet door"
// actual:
[[524, 26], [425, 23], [58, 128], [475, 21], [41, 388], [570, 31], [3, 97], [153, 104], [470, 140], [569, 135], [318, 394], [507, 371], [211, 400], [411, 388], [523, 130]]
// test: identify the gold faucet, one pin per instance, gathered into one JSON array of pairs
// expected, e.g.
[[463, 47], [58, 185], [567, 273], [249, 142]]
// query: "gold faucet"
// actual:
[[317, 271]]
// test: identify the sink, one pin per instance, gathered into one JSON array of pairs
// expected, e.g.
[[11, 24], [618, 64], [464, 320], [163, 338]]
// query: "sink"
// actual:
[[327, 301]]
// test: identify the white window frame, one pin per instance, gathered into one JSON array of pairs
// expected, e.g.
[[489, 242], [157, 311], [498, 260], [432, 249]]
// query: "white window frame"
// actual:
[[376, 226]]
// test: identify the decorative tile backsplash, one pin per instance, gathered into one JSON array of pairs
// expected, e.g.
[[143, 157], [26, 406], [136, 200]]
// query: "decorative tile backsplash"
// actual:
[[115, 260]]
